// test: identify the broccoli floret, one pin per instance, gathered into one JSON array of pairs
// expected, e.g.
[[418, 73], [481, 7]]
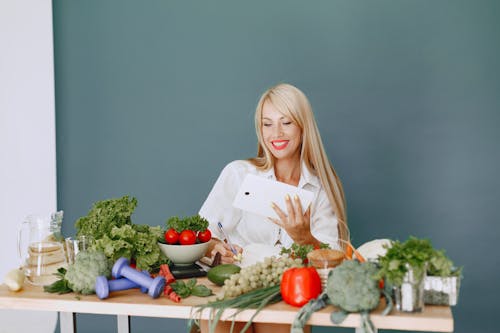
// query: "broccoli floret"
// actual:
[[353, 287], [88, 266]]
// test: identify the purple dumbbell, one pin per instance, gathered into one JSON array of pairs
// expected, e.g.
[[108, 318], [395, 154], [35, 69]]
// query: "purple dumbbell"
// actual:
[[103, 286], [155, 286]]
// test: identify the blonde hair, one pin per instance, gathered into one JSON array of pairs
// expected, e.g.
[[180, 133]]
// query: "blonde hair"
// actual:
[[292, 102]]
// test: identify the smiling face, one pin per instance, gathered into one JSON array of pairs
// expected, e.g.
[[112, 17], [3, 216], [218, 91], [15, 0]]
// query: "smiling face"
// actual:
[[281, 135]]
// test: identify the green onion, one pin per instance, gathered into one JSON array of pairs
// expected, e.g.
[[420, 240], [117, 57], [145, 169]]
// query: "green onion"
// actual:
[[255, 299]]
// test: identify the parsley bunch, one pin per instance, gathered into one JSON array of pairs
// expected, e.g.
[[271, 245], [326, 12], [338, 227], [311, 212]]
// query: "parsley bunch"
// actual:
[[415, 253], [301, 251]]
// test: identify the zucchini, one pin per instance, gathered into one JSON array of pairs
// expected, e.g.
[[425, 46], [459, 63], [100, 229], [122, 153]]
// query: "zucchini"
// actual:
[[220, 273]]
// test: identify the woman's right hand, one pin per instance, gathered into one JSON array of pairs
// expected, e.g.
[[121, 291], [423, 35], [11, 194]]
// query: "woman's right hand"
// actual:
[[227, 256]]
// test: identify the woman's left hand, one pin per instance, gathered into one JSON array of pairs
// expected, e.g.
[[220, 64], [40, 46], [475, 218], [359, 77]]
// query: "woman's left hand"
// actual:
[[296, 224]]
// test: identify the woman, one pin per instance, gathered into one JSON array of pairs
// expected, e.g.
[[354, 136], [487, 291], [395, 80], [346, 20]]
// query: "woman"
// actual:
[[290, 150]]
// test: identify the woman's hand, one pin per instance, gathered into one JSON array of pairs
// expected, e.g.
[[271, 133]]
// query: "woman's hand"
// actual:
[[227, 256], [296, 224]]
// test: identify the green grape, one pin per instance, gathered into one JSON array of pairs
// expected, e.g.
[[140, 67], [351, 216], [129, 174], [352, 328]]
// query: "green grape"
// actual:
[[262, 274]]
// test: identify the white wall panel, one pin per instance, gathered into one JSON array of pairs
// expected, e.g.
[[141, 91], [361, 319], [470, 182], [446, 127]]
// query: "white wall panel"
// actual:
[[27, 135]]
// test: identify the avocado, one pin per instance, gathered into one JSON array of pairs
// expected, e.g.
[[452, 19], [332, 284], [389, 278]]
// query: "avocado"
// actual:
[[220, 273]]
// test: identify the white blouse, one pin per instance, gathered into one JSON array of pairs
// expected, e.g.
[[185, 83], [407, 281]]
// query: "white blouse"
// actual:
[[246, 228]]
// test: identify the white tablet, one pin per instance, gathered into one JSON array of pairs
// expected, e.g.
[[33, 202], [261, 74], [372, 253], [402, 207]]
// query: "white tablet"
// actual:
[[256, 194]]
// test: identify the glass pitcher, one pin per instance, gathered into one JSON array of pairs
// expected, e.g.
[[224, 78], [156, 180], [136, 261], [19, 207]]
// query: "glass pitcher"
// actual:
[[40, 248]]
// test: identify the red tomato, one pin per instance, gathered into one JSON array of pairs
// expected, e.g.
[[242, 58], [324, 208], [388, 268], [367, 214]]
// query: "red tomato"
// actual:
[[187, 237], [171, 236], [204, 236]]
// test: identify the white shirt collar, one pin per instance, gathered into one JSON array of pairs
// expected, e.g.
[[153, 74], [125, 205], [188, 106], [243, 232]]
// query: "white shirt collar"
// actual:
[[306, 177]]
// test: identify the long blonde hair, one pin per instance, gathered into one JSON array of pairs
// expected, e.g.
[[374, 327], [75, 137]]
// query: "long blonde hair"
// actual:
[[292, 102]]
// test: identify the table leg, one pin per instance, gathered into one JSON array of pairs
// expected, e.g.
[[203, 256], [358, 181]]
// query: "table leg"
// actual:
[[67, 322], [123, 323]]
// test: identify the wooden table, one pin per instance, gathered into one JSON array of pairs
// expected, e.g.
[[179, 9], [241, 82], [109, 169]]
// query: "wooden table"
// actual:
[[133, 303]]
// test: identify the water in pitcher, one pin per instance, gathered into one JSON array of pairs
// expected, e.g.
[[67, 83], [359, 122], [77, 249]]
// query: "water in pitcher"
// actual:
[[43, 261], [41, 248]]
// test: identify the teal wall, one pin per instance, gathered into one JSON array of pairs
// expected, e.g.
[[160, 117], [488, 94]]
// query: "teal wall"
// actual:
[[153, 98]]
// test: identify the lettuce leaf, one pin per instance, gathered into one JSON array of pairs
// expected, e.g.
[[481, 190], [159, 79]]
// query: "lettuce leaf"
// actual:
[[195, 223], [104, 215], [139, 242]]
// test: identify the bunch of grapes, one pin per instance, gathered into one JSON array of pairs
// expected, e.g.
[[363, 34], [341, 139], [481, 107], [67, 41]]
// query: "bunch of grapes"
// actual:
[[260, 275]]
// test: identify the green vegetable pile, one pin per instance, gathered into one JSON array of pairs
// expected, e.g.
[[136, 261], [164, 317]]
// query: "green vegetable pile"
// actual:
[[109, 223], [417, 253], [194, 223], [80, 277]]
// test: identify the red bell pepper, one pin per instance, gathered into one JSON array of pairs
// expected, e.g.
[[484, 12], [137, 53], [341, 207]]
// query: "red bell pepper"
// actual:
[[168, 289], [299, 285], [171, 294], [174, 297], [165, 272]]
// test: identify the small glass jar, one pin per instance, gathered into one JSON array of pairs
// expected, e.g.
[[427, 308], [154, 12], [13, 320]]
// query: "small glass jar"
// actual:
[[75, 245], [409, 296], [324, 260]]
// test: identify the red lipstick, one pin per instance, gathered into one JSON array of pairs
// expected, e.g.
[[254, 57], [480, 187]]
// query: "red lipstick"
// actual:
[[279, 144]]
